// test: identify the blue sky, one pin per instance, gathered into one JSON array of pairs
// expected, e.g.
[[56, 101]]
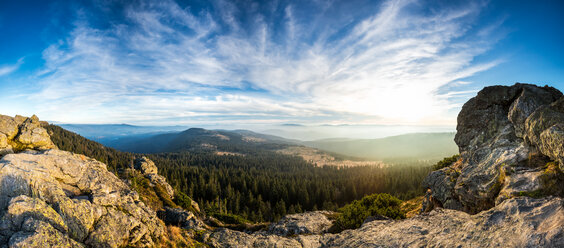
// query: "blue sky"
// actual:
[[233, 63]]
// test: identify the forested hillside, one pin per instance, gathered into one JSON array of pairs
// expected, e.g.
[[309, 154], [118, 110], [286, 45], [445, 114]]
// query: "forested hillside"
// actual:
[[261, 186], [199, 139]]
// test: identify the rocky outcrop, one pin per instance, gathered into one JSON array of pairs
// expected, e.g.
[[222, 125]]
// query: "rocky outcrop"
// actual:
[[517, 222], [505, 136], [20, 133], [149, 170], [56, 198], [182, 218], [315, 222]]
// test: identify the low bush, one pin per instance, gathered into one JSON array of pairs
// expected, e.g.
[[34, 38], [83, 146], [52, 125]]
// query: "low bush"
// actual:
[[353, 215], [446, 162]]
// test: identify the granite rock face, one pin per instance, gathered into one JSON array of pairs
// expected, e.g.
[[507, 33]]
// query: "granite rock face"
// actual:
[[20, 133], [517, 222], [545, 130], [500, 134], [54, 198]]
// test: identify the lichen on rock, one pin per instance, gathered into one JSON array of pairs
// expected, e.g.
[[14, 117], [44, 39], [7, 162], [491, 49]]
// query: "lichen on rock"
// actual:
[[20, 133], [75, 199]]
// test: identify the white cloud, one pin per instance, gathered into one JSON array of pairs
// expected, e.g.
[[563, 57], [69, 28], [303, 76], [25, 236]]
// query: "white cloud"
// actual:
[[7, 69], [165, 61]]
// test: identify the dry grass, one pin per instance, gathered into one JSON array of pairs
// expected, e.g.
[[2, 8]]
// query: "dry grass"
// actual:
[[320, 158], [412, 207], [176, 237]]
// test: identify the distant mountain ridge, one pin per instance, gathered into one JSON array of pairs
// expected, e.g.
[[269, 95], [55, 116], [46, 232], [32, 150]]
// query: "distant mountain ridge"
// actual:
[[199, 139], [415, 145], [140, 139]]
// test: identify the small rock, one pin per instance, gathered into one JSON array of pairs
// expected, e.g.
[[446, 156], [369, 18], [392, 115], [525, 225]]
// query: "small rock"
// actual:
[[315, 222], [181, 217]]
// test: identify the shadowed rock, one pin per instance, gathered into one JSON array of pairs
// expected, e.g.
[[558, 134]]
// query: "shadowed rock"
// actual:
[[498, 132], [182, 218]]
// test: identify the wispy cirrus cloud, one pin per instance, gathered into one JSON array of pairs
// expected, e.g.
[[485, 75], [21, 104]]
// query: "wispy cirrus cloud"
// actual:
[[7, 69], [267, 64]]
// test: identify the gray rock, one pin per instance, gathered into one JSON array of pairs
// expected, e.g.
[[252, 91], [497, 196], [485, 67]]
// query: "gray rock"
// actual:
[[531, 99], [36, 233], [522, 180], [502, 126], [72, 200], [442, 183], [545, 130], [517, 222], [552, 143], [315, 222], [230, 238], [182, 218]]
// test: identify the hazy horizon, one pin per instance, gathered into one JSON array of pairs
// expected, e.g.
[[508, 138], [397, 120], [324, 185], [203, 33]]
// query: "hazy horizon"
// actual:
[[302, 132]]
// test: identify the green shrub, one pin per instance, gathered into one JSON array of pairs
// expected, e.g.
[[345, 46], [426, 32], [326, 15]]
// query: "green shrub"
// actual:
[[163, 196], [446, 162], [184, 201], [353, 215], [230, 218]]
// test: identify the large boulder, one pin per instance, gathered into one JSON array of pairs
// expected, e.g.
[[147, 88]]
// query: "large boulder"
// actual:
[[498, 133], [56, 198], [20, 133], [517, 222]]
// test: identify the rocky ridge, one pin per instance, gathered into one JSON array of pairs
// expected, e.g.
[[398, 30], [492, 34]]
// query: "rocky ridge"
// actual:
[[53, 198]]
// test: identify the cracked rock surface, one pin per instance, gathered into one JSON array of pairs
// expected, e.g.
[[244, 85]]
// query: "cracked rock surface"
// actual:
[[506, 136], [54, 198], [20, 133]]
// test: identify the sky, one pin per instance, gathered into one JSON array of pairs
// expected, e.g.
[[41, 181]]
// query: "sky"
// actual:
[[270, 63]]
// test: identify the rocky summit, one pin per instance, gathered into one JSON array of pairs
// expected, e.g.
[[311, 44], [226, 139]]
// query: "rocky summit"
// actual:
[[505, 189], [53, 198], [510, 140]]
